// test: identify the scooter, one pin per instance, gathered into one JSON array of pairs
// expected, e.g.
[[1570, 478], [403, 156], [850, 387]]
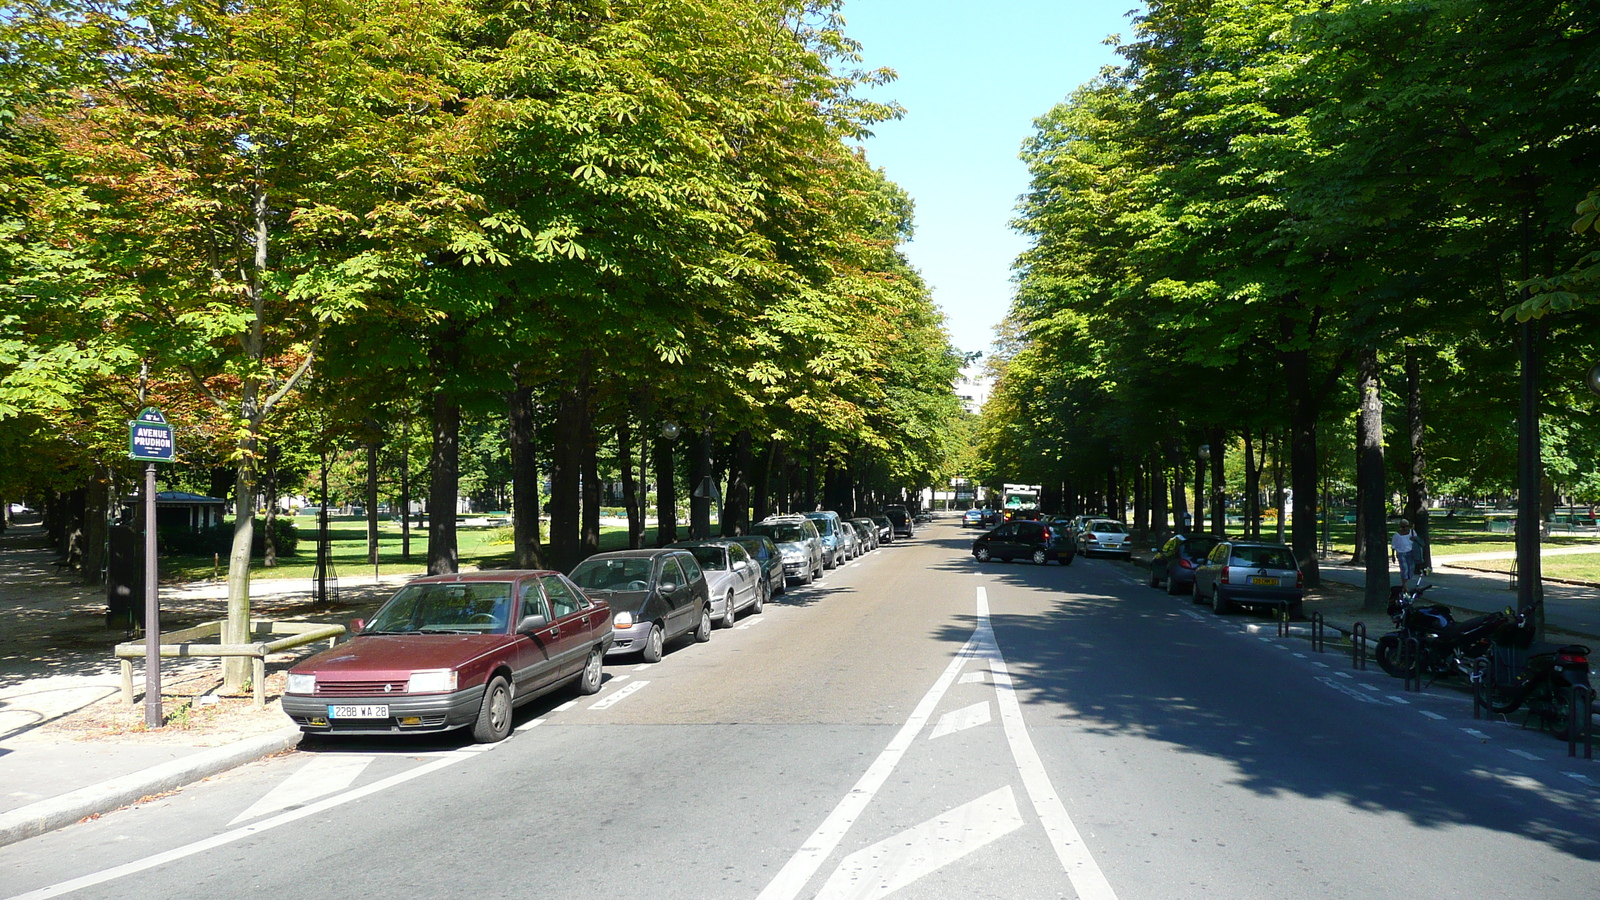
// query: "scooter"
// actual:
[[1546, 685], [1428, 640]]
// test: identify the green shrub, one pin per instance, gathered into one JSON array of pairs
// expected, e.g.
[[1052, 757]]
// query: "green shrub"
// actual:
[[219, 539]]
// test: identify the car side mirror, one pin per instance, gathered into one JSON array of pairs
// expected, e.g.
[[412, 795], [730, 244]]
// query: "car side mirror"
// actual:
[[532, 623], [358, 625], [667, 587]]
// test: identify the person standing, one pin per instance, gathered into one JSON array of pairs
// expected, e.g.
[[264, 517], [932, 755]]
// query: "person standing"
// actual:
[[1404, 545]]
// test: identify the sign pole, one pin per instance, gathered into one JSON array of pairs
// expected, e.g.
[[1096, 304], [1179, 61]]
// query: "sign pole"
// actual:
[[152, 608]]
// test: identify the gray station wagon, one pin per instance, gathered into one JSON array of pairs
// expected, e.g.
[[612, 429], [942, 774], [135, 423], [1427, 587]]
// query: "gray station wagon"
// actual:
[[1250, 573]]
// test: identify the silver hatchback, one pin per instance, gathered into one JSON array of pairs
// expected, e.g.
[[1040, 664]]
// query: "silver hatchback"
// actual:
[[1250, 573]]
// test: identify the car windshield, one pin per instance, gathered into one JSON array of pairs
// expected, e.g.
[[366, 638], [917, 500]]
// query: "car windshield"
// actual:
[[1263, 557], [713, 558], [781, 532], [630, 573], [462, 606], [823, 523], [1108, 528]]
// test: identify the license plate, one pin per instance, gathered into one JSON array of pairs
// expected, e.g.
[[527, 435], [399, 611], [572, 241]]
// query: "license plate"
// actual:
[[1257, 579], [359, 712]]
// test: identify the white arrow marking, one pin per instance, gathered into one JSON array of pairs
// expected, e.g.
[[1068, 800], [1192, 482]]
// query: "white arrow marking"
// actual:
[[961, 719], [978, 677], [891, 864], [321, 776]]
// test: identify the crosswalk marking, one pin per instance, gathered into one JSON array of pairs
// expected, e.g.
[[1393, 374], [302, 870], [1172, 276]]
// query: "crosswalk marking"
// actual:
[[321, 776], [961, 719], [885, 867]]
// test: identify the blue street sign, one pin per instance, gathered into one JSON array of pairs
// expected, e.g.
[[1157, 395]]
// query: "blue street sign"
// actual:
[[150, 437]]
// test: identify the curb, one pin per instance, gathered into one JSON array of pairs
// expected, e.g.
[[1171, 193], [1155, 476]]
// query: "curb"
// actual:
[[58, 812]]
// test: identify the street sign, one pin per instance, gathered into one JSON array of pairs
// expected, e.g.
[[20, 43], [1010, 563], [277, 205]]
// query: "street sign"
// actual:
[[150, 437]]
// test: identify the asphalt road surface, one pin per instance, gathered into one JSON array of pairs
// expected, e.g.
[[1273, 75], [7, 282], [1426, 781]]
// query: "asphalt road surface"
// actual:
[[917, 726]]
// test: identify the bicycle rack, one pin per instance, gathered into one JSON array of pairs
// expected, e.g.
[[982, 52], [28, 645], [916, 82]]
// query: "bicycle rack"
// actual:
[[1413, 671], [1358, 646], [1480, 666], [1579, 720], [1317, 632]]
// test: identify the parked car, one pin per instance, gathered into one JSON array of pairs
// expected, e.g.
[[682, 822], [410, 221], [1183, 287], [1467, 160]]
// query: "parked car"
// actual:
[[1024, 539], [867, 530], [850, 539], [768, 557], [1104, 536], [972, 518], [655, 596], [833, 547], [1176, 561], [798, 542], [901, 517], [885, 529], [454, 651], [1250, 573], [732, 577]]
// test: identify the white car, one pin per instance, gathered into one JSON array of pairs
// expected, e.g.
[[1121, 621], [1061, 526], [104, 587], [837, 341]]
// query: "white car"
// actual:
[[1104, 537]]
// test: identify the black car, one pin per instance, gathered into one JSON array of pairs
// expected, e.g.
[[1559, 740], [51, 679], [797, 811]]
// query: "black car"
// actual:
[[655, 596], [765, 553], [885, 528], [1025, 539], [1177, 560], [901, 517]]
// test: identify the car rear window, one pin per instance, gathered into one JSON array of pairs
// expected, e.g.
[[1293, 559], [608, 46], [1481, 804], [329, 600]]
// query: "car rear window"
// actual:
[[1263, 557], [611, 574], [1108, 528]]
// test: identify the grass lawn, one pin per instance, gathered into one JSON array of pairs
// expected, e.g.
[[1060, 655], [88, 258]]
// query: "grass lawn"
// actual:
[[1462, 534], [485, 547], [1578, 567]]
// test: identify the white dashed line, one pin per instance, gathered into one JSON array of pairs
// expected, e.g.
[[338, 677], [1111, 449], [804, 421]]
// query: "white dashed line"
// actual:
[[642, 666], [1321, 664], [1581, 779], [1526, 755], [566, 706], [1300, 655], [1344, 675], [1432, 715], [1476, 733], [1368, 687], [1400, 700], [612, 700], [531, 723]]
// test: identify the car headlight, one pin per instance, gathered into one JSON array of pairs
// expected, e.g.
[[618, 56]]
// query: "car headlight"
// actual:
[[301, 684], [432, 681], [623, 621]]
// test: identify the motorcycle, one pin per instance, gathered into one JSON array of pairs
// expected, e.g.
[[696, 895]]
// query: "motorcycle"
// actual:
[[1442, 645], [1546, 686]]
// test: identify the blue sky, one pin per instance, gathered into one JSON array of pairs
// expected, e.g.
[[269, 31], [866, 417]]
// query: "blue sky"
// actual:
[[973, 76]]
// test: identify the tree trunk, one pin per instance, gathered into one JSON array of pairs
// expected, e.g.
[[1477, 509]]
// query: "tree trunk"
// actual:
[[636, 529], [630, 489], [372, 507], [666, 493], [96, 509], [1303, 461], [1371, 478], [444, 470], [269, 490], [1417, 478], [761, 482], [1141, 502], [236, 669], [566, 464], [700, 484], [405, 488], [1359, 557], [1180, 506], [1530, 471], [1277, 486], [522, 433], [589, 533], [1158, 496], [1199, 494], [1252, 489], [1219, 483], [736, 504]]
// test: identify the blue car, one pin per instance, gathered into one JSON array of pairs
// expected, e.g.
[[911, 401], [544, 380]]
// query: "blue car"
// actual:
[[972, 517]]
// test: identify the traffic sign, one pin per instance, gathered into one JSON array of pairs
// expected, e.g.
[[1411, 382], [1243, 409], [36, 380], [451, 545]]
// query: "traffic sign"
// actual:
[[150, 437]]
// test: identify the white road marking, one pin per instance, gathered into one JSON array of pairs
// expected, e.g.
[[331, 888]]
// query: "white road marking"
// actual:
[[1368, 687], [1432, 715], [642, 666], [891, 864], [979, 677], [1476, 733], [1526, 755], [530, 724], [1193, 615], [798, 870], [566, 706], [1322, 665], [746, 625], [1581, 779], [1344, 674], [961, 719], [613, 699], [1300, 655], [1349, 691], [228, 837], [322, 776], [618, 679], [1400, 700]]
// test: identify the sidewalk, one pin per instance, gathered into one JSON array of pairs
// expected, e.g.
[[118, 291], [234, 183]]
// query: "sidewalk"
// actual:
[[69, 747]]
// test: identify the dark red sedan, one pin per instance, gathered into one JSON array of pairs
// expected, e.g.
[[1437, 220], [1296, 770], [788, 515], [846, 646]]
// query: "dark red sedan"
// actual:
[[451, 651]]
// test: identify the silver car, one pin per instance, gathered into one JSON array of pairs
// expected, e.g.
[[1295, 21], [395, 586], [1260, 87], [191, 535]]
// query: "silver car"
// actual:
[[798, 544], [1104, 537], [1250, 573], [733, 579]]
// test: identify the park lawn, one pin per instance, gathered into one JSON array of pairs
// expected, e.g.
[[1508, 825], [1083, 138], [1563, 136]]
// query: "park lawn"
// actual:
[[1577, 567], [1449, 536], [484, 547]]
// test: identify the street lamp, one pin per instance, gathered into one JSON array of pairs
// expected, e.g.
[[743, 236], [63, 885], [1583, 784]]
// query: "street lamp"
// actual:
[[1593, 379], [670, 430], [1205, 451]]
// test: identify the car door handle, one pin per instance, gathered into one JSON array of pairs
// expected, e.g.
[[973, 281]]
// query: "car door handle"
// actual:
[[556, 631]]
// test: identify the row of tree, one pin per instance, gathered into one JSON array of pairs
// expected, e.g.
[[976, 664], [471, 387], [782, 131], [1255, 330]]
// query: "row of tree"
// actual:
[[1271, 217], [296, 226]]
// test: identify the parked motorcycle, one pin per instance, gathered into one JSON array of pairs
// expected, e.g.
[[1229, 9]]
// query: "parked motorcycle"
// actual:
[[1442, 645], [1546, 685]]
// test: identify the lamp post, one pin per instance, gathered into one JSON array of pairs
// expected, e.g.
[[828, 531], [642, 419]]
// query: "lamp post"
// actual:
[[1593, 379]]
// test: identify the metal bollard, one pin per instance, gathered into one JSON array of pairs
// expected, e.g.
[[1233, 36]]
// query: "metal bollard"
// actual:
[[1479, 704], [1578, 720], [1317, 633], [1358, 646], [1283, 623], [1413, 671]]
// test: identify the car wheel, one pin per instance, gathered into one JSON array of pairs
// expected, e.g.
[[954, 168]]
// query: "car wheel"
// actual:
[[1040, 557], [494, 716], [1194, 592], [1219, 601], [1155, 577], [730, 613], [702, 632], [654, 644], [1172, 586], [761, 598], [816, 574], [589, 682], [1066, 560], [982, 553]]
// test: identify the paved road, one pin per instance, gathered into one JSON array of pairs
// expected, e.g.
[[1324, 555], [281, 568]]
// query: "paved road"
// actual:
[[917, 727]]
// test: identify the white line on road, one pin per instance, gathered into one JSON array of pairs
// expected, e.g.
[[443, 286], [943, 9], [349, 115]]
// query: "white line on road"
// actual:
[[891, 864], [1300, 655], [1476, 733], [979, 677], [566, 706], [1400, 700], [322, 776], [613, 699], [805, 862], [1432, 715], [1321, 665], [1581, 779], [642, 666], [961, 719], [1368, 687], [1526, 755], [529, 725], [1344, 674], [1347, 690]]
